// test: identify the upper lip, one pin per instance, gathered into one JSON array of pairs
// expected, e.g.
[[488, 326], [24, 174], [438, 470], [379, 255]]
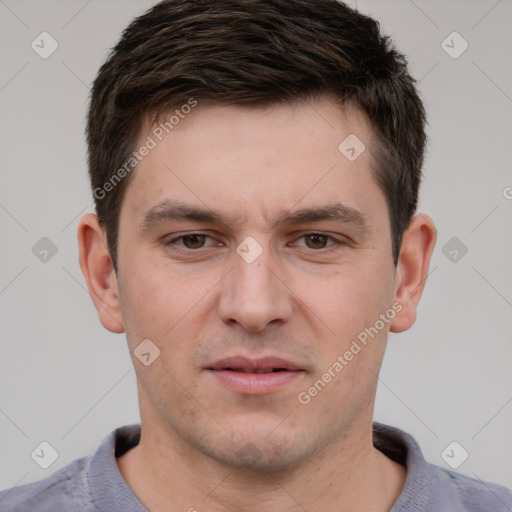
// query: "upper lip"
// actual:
[[250, 365]]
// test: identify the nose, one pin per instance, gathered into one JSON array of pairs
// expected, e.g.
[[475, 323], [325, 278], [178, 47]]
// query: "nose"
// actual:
[[255, 294]]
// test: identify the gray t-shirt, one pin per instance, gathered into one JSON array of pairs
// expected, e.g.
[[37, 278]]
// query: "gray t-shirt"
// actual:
[[94, 483]]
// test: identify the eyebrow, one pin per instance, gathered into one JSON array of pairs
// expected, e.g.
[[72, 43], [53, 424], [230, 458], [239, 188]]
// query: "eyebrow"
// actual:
[[168, 211]]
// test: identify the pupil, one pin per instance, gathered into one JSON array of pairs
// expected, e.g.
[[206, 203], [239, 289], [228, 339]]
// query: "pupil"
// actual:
[[196, 239], [315, 239]]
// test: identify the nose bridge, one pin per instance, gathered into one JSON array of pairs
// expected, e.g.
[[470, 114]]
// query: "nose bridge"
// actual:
[[255, 281], [252, 295]]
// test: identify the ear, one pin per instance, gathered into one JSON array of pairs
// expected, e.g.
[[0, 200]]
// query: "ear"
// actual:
[[412, 270], [98, 270]]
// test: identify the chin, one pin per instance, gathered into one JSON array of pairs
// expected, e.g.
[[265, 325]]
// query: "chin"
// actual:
[[261, 450]]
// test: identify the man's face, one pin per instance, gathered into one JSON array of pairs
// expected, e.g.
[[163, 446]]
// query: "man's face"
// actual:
[[284, 293]]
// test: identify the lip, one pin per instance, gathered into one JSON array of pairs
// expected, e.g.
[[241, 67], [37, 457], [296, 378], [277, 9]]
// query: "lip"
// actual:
[[251, 365], [241, 380]]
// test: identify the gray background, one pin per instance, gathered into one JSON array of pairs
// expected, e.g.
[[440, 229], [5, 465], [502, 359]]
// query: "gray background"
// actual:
[[66, 380]]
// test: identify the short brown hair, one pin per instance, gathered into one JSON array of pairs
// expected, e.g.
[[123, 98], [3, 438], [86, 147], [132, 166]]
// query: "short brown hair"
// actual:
[[254, 53]]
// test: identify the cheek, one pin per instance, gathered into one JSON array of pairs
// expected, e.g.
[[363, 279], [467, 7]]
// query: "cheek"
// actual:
[[351, 298], [152, 301], [165, 305]]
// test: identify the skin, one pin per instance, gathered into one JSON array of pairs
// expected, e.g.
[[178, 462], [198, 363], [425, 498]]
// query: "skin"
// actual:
[[297, 301]]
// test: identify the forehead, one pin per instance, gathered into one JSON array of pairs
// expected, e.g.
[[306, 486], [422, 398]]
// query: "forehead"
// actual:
[[260, 160]]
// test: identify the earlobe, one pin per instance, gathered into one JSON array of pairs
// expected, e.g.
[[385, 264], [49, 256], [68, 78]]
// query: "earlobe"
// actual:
[[412, 270], [97, 268]]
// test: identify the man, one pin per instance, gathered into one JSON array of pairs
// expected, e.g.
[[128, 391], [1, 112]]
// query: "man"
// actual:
[[255, 167]]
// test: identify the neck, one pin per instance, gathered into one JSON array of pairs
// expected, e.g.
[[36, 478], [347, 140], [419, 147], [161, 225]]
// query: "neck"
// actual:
[[167, 474]]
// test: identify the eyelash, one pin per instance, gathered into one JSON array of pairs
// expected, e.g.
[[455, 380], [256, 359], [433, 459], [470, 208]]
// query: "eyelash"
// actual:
[[335, 246]]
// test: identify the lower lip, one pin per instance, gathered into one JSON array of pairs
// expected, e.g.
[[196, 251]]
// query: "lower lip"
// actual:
[[256, 383]]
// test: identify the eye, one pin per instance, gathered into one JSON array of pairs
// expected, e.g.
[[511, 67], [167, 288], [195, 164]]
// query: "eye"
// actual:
[[319, 241], [191, 241]]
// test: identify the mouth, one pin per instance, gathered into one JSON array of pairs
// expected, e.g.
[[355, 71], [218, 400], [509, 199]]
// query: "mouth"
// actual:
[[255, 376], [244, 364], [245, 370]]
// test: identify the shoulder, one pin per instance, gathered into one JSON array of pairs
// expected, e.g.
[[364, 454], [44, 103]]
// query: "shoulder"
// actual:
[[88, 484], [467, 493], [66, 489], [431, 487]]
